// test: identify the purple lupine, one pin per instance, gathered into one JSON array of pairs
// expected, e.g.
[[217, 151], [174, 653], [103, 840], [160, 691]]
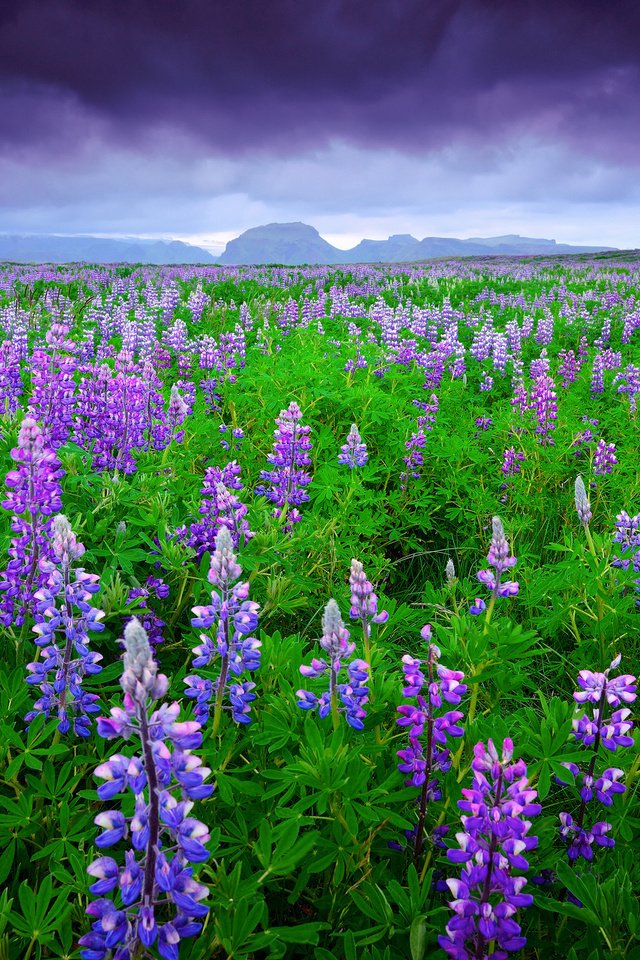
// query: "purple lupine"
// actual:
[[348, 697], [604, 459], [234, 618], [543, 403], [64, 610], [427, 753], [151, 622], [34, 496], [156, 901], [606, 725], [364, 604], [500, 559], [220, 507], [583, 507], [353, 453], [511, 461], [628, 536], [492, 844], [285, 484]]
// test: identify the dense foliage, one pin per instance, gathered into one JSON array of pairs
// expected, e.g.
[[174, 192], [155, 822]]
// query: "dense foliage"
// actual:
[[348, 667]]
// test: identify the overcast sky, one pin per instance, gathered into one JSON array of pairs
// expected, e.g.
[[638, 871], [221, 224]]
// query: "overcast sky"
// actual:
[[197, 119]]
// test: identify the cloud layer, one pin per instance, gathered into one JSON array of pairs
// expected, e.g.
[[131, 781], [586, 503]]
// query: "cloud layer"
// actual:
[[199, 117]]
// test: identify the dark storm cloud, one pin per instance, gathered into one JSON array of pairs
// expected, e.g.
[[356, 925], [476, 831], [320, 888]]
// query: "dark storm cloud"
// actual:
[[283, 75]]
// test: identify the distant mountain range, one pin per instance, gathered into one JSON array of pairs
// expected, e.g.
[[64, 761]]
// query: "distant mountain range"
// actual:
[[287, 243]]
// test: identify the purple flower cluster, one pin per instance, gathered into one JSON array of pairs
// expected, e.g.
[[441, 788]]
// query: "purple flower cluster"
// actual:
[[234, 618], [285, 484], [151, 622], [34, 496], [606, 727], [492, 845], [500, 559], [156, 900], [427, 753], [220, 507], [604, 459], [353, 693], [364, 604], [64, 609], [543, 403], [627, 535], [511, 461], [353, 453]]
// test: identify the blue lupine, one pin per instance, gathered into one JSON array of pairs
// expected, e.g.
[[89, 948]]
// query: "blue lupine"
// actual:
[[155, 902], [348, 697], [500, 559], [427, 753], [34, 496], [353, 453], [364, 604], [491, 845], [285, 484], [64, 610], [234, 618], [605, 727]]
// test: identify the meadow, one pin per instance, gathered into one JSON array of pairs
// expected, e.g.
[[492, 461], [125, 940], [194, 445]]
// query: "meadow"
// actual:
[[319, 612]]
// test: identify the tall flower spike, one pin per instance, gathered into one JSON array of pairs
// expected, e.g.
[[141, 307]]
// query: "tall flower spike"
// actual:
[[353, 453], [607, 725], [34, 496], [500, 559], [583, 506], [427, 753], [285, 484], [347, 697], [155, 900], [234, 617], [66, 617], [364, 604], [492, 844]]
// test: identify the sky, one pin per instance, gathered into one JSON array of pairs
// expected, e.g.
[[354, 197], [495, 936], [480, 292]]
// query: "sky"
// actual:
[[197, 119]]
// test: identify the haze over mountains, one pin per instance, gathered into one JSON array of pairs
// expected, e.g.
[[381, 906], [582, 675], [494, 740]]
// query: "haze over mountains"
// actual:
[[286, 243]]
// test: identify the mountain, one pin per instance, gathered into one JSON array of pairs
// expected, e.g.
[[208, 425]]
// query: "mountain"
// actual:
[[296, 243], [54, 249], [290, 243]]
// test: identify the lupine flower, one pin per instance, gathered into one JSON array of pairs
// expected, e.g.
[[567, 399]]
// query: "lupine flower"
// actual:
[[628, 536], [604, 459], [364, 604], [149, 618], [543, 403], [498, 558], [155, 900], [284, 485], [491, 845], [354, 452], [511, 461], [234, 617], [220, 507], [34, 496], [427, 753], [64, 611], [450, 572], [608, 725], [583, 507], [348, 697]]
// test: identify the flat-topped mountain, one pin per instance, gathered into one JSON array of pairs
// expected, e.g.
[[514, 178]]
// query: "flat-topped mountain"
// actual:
[[296, 243], [290, 243]]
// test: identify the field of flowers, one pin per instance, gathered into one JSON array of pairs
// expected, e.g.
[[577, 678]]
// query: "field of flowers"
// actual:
[[319, 611]]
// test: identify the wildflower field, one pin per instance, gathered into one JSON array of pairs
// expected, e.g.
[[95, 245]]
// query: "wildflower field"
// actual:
[[319, 611]]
